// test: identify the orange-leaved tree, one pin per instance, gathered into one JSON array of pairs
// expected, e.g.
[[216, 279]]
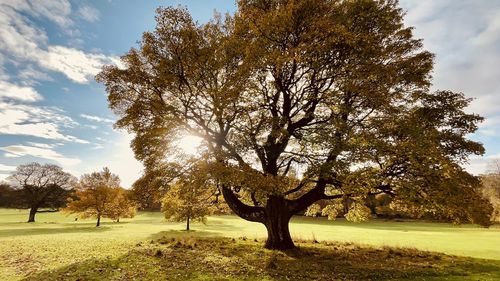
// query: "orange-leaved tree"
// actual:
[[122, 206], [99, 195]]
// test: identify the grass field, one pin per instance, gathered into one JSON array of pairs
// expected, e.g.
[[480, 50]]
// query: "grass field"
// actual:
[[56, 244]]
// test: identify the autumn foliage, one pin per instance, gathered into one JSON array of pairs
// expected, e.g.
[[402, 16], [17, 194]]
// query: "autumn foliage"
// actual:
[[192, 197], [299, 101], [99, 195]]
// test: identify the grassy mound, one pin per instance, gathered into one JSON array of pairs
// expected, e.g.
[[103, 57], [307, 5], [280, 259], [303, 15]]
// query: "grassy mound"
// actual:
[[177, 255]]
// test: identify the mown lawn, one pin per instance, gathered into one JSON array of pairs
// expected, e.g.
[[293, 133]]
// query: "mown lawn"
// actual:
[[58, 247]]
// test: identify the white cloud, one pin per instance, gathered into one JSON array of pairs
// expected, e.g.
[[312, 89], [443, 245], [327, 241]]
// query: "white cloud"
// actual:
[[7, 168], [3, 177], [30, 75], [96, 118], [21, 41], [42, 122], [89, 13], [45, 153], [98, 146], [480, 164], [57, 11], [41, 145], [465, 35], [94, 127], [75, 64], [490, 127], [15, 92]]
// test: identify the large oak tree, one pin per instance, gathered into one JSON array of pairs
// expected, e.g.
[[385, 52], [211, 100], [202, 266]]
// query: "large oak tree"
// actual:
[[299, 101]]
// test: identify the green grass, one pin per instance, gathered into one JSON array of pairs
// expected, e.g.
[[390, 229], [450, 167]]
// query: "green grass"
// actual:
[[56, 245]]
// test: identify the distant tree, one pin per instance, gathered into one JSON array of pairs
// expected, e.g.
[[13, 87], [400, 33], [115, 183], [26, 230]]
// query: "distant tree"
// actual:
[[339, 88], [99, 195], [6, 194], [331, 211], [191, 197], [313, 211], [41, 186], [491, 188], [355, 211], [122, 206]]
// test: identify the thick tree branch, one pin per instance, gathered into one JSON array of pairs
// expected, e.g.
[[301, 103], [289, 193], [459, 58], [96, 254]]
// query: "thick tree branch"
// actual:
[[246, 212]]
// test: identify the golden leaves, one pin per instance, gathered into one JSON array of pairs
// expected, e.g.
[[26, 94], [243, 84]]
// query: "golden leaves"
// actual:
[[99, 195]]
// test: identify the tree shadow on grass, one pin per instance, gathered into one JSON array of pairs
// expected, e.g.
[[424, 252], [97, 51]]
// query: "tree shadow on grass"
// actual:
[[181, 255], [40, 230], [211, 228], [176, 234], [388, 225]]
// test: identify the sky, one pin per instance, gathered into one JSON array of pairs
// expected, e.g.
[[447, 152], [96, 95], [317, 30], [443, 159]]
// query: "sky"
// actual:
[[52, 110]]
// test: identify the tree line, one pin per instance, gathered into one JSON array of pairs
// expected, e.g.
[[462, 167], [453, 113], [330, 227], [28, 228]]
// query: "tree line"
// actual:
[[185, 194], [47, 188]]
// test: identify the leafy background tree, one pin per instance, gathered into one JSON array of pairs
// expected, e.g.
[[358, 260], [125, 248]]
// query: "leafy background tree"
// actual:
[[40, 186], [337, 91], [491, 188], [99, 195], [122, 206], [149, 190], [191, 197], [7, 196]]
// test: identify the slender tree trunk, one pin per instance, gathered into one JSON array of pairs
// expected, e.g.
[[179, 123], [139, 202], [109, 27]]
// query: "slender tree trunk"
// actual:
[[276, 221], [118, 220], [98, 220], [187, 222], [33, 211]]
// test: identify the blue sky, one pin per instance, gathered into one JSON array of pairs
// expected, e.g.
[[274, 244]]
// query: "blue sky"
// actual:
[[51, 109]]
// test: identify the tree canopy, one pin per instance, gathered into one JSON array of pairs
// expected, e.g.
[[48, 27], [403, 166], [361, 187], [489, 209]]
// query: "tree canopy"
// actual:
[[299, 101], [98, 195]]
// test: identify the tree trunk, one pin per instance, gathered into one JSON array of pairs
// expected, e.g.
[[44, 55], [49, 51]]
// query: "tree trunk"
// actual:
[[98, 220], [187, 223], [275, 216], [276, 222], [118, 220], [33, 211]]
